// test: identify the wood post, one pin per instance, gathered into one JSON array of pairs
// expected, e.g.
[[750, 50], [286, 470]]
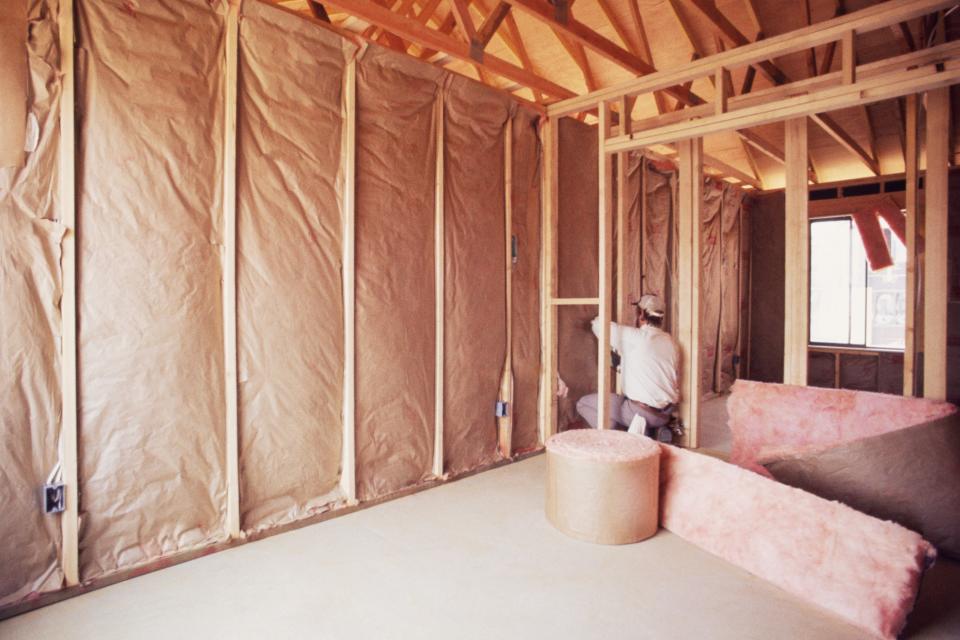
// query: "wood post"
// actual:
[[935, 246], [439, 288], [622, 302], [690, 188], [912, 203], [548, 279], [796, 250], [230, 268], [69, 519], [505, 423], [605, 227], [348, 474]]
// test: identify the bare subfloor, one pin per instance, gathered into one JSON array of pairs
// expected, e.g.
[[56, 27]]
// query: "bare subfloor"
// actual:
[[472, 559]]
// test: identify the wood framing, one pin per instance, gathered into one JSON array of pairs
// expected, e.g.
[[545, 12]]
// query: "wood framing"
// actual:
[[621, 301], [548, 279], [491, 24], [796, 254], [230, 268], [605, 234], [439, 245], [66, 192], [348, 473], [413, 31], [935, 237], [874, 17], [690, 192], [505, 423], [912, 205]]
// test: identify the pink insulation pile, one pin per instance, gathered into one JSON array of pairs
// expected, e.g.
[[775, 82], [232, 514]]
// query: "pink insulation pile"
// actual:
[[771, 420], [865, 570]]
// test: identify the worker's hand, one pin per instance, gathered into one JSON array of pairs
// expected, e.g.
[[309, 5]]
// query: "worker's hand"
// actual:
[[562, 389]]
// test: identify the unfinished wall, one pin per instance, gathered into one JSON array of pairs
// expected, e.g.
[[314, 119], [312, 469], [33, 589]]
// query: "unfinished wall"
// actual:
[[151, 247], [475, 273], [14, 81], [151, 387], [577, 266], [396, 167], [30, 290], [289, 291], [766, 299], [526, 279]]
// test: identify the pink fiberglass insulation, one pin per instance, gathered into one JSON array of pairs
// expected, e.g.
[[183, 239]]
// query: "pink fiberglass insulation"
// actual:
[[865, 570], [769, 420]]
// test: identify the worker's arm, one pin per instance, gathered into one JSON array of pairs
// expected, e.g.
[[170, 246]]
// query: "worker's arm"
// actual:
[[614, 333]]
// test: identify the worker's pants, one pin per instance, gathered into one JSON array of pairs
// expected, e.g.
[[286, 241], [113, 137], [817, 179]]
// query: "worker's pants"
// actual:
[[622, 412]]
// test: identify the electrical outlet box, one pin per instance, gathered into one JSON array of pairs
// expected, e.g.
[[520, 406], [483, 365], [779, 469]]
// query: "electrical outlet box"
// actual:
[[54, 498], [502, 409]]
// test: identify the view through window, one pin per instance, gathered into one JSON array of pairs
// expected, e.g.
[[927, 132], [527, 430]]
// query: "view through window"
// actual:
[[849, 304]]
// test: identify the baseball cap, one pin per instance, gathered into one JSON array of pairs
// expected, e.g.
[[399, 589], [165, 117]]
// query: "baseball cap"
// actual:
[[652, 305]]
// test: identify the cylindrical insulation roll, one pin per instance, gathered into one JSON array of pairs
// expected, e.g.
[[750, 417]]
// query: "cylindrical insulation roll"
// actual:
[[603, 485]]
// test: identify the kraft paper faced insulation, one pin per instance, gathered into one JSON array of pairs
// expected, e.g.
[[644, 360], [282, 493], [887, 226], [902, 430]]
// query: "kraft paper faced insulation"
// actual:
[[577, 266], [289, 290], [731, 291], [14, 81], [151, 359], [475, 272], [633, 234], [30, 293], [603, 485], [395, 284], [710, 281], [659, 237], [526, 279]]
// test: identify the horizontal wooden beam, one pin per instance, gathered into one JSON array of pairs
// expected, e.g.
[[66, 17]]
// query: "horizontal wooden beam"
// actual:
[[572, 302], [412, 30], [883, 87], [871, 18]]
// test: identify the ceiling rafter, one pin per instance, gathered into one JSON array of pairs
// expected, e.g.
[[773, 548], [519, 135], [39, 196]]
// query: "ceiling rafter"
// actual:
[[775, 74], [643, 52], [492, 23], [558, 16], [575, 49], [428, 38]]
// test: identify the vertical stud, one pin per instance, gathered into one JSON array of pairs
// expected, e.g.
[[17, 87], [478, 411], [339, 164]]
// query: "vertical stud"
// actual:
[[605, 228], [797, 254], [348, 474], [690, 187]]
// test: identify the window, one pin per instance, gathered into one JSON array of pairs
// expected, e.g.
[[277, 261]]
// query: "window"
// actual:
[[849, 304]]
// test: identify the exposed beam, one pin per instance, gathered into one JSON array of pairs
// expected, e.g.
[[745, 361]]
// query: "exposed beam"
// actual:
[[912, 202], [690, 197], [511, 36], [845, 140], [796, 253], [461, 13], [66, 190], [575, 49], [415, 32], [729, 31], [935, 252], [592, 40], [491, 24], [645, 48]]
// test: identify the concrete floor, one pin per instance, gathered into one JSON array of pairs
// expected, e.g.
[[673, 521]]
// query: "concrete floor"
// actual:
[[471, 559]]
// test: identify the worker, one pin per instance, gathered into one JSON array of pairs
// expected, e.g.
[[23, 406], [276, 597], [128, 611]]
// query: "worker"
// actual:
[[649, 359]]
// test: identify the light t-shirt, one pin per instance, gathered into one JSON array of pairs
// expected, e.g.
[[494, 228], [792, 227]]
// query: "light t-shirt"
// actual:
[[648, 360]]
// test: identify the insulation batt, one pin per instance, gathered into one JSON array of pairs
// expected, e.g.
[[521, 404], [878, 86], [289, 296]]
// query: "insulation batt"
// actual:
[[577, 246], [773, 420], [151, 380], [289, 291], [862, 569], [526, 280], [396, 171], [474, 256], [30, 292]]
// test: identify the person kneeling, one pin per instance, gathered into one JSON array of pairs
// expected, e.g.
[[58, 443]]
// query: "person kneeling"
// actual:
[[649, 361]]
